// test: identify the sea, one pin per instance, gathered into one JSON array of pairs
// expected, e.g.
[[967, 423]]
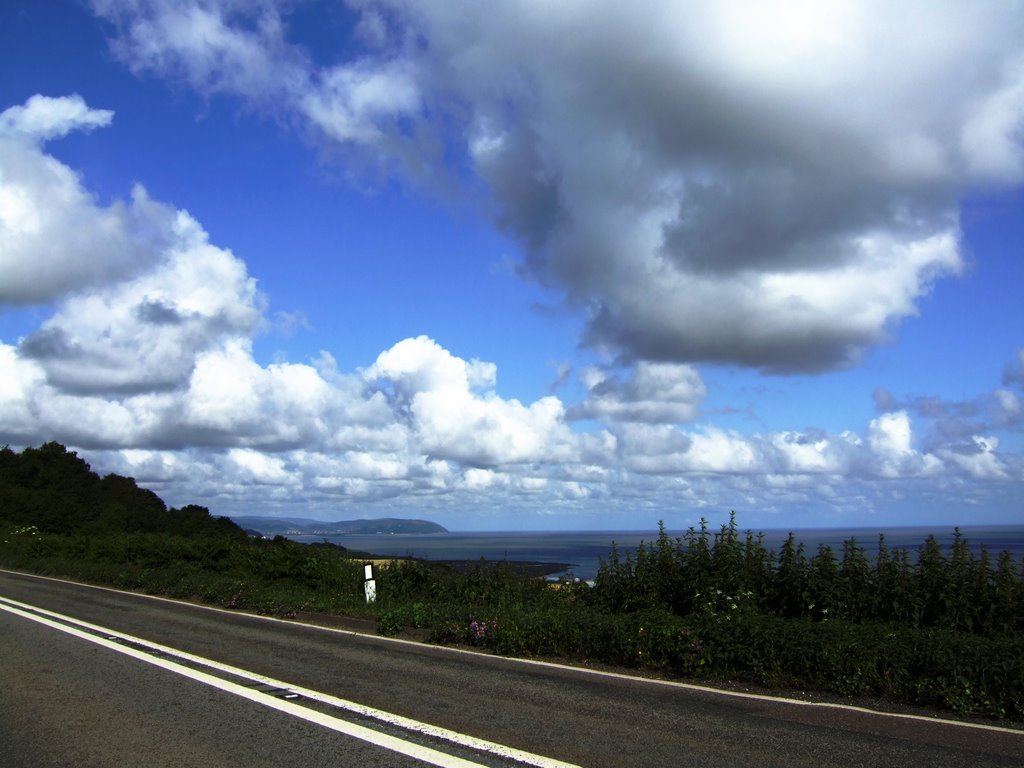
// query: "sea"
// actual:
[[578, 554]]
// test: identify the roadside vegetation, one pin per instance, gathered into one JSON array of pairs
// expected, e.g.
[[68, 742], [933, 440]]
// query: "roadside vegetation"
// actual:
[[931, 627]]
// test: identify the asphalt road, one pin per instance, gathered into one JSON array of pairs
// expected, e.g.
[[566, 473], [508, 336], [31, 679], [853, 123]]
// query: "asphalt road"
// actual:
[[78, 700]]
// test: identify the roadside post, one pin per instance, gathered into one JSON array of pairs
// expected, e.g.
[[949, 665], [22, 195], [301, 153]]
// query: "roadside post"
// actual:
[[369, 583]]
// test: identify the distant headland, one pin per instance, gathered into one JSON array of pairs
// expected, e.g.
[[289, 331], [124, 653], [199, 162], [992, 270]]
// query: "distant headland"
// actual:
[[299, 526]]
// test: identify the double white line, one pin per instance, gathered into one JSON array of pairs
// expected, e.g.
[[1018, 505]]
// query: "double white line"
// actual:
[[185, 664]]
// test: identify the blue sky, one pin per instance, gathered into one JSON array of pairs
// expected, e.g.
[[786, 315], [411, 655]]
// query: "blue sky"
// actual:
[[521, 267]]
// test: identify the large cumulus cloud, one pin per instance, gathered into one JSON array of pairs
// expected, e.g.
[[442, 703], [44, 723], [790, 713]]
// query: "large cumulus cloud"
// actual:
[[773, 185], [707, 185]]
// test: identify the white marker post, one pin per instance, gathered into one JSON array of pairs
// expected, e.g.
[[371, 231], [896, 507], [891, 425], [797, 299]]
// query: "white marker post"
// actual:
[[369, 585]]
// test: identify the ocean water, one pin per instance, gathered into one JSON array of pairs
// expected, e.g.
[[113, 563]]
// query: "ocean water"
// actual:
[[582, 551]]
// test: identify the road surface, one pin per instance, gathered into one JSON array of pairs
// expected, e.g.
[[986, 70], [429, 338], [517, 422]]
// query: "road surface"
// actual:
[[95, 677]]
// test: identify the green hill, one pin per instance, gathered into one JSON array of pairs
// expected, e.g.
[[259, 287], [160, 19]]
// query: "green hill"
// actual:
[[56, 491]]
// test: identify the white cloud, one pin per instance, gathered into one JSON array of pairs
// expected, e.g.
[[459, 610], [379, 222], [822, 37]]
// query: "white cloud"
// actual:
[[44, 117], [655, 393], [956, 425], [249, 450], [978, 458], [260, 467], [806, 454], [224, 392], [773, 186], [477, 479], [991, 138], [213, 46], [1009, 405], [242, 49], [145, 333], [353, 103], [688, 177], [889, 435], [54, 238], [890, 439], [656, 449], [453, 414], [420, 365], [19, 380], [149, 466], [155, 369], [716, 450]]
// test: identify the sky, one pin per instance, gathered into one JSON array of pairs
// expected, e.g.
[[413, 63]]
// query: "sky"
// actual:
[[521, 265]]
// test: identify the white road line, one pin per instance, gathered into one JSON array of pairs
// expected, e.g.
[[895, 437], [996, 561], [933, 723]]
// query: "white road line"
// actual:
[[85, 629], [563, 667]]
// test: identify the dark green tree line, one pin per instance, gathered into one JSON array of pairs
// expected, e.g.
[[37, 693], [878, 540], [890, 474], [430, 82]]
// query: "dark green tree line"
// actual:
[[56, 491], [956, 590]]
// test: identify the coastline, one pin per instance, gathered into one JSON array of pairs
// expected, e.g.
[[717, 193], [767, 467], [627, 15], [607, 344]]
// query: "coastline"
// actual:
[[580, 552]]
